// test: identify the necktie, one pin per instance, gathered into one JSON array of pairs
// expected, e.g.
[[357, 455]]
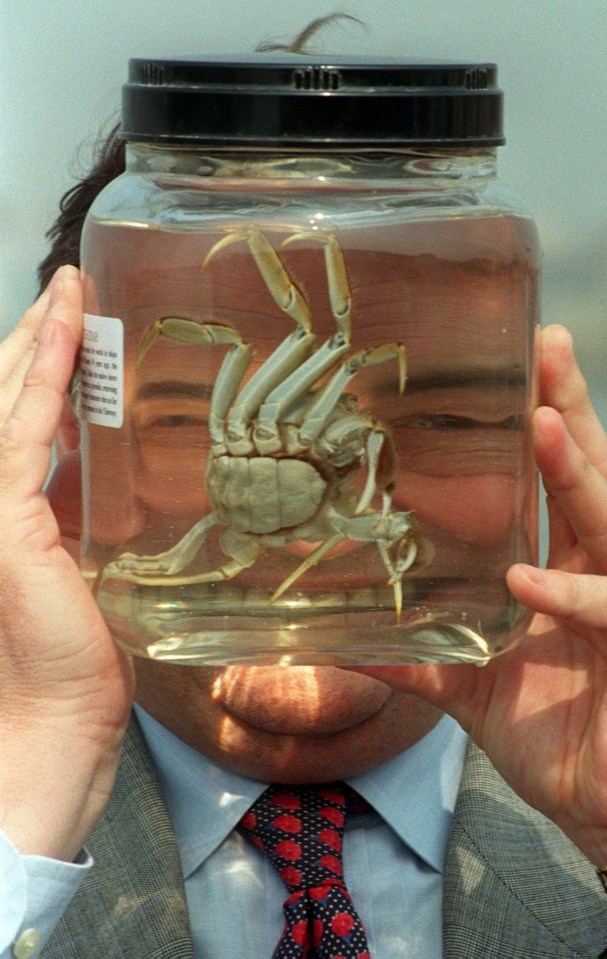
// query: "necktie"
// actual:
[[300, 830]]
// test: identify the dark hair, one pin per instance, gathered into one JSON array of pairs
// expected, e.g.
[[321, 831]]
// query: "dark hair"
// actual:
[[298, 45], [65, 232]]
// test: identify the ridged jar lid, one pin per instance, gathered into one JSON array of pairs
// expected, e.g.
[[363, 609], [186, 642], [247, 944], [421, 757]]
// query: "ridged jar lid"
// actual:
[[291, 101]]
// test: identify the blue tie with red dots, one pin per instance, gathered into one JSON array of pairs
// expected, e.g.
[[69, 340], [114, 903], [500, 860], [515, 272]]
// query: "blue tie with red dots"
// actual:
[[300, 830]]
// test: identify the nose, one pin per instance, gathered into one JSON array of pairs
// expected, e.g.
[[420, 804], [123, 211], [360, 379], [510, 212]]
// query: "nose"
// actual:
[[114, 513]]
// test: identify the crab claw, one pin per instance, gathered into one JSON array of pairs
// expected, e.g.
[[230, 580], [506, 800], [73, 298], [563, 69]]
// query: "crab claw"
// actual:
[[148, 340], [227, 240]]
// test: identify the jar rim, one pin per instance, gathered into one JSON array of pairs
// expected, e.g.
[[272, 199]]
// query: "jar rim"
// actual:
[[299, 100]]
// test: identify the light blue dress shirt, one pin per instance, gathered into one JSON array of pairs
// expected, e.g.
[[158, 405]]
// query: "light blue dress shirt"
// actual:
[[34, 893], [393, 857]]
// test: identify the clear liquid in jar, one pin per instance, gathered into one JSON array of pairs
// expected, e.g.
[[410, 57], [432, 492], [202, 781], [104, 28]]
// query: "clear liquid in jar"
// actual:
[[459, 294]]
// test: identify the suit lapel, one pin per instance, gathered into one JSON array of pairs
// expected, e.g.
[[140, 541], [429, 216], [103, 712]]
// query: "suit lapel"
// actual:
[[136, 908], [515, 887]]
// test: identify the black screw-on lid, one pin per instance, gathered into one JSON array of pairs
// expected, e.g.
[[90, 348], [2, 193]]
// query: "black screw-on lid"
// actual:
[[291, 101]]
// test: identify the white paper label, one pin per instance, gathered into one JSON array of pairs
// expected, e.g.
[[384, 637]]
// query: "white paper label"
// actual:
[[102, 371]]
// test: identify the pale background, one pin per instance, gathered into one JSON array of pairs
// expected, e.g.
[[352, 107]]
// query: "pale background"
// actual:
[[62, 64]]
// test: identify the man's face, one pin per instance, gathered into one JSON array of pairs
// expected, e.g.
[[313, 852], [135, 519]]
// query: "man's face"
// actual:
[[284, 724]]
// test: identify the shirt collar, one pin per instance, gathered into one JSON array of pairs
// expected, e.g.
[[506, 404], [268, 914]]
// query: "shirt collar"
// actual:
[[414, 793], [205, 801]]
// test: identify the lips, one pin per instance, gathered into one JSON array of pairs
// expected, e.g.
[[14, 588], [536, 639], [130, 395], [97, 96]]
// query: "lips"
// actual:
[[299, 700]]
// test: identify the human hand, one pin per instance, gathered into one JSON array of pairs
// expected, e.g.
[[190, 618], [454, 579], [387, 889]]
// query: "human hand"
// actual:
[[540, 709], [65, 690]]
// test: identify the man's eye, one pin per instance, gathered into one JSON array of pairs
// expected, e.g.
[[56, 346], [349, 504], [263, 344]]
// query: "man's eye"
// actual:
[[176, 420]]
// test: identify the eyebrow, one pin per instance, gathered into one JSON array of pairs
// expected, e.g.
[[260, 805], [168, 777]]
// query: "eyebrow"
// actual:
[[474, 376], [199, 391]]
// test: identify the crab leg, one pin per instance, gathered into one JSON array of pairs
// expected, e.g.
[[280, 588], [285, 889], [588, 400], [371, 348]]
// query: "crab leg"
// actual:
[[288, 355], [227, 571], [242, 552], [398, 571], [162, 571], [284, 292], [296, 385], [185, 330], [229, 377], [285, 358], [389, 530], [324, 404], [340, 296], [230, 373], [381, 470], [311, 560], [154, 570], [292, 388], [374, 445]]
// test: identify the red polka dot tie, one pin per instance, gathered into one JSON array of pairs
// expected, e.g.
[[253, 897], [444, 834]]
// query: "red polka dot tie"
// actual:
[[300, 829]]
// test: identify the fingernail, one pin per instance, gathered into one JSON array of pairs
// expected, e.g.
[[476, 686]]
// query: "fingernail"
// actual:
[[63, 276], [533, 574], [56, 288]]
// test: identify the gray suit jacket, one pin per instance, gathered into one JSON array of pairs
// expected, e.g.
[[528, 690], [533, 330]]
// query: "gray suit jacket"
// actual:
[[515, 888]]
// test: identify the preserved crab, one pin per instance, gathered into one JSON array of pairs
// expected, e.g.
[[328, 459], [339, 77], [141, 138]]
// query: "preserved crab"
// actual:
[[283, 450]]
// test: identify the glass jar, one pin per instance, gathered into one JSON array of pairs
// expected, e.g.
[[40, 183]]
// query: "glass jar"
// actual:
[[307, 368]]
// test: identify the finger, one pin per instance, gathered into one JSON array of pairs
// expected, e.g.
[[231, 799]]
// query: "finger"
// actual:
[[581, 599], [66, 300], [21, 338], [17, 350], [27, 435], [563, 387], [451, 688], [579, 490], [16, 353]]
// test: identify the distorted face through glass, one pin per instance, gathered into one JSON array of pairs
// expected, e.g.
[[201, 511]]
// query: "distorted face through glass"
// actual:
[[449, 443]]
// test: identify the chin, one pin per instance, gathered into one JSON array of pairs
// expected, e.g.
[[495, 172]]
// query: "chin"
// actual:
[[291, 724], [313, 724]]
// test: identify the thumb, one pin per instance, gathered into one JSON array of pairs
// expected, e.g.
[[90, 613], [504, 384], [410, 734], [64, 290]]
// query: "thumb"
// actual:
[[577, 598]]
